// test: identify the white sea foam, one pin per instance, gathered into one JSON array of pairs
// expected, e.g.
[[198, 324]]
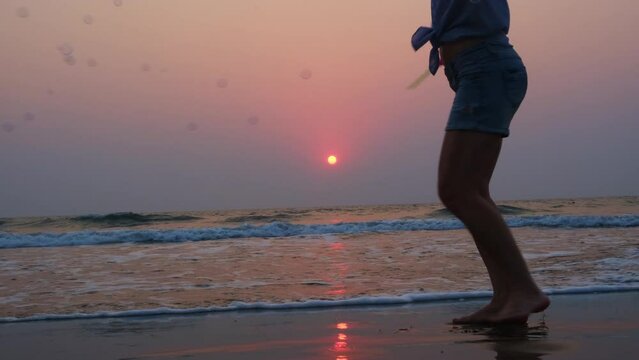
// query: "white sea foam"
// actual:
[[284, 229], [13, 298], [552, 254], [314, 304]]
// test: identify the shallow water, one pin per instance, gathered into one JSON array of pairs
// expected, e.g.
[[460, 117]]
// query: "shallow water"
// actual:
[[572, 243]]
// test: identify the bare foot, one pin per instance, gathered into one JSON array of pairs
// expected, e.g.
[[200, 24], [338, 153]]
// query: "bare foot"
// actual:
[[515, 310], [495, 304]]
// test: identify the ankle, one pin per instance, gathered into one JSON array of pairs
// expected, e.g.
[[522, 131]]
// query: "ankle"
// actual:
[[531, 290]]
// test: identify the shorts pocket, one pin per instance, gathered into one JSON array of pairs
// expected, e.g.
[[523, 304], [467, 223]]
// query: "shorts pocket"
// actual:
[[515, 84], [468, 99]]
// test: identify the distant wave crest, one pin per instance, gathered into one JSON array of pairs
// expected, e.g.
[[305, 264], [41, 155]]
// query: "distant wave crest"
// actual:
[[130, 218], [284, 229], [503, 209]]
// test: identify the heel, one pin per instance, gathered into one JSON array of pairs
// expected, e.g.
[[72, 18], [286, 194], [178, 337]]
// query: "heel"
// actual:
[[543, 306]]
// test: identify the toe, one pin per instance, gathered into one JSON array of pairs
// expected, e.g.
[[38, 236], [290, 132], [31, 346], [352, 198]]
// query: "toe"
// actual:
[[465, 320]]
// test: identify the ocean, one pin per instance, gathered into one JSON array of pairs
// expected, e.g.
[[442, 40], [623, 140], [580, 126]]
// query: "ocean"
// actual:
[[133, 264]]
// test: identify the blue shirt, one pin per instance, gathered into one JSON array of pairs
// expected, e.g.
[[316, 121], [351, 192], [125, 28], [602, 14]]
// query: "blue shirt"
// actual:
[[457, 19]]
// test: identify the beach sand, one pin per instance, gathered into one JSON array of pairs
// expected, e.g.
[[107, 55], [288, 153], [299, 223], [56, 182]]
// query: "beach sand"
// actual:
[[588, 326]]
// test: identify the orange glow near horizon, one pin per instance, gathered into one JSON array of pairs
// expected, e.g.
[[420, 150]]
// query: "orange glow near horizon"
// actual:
[[301, 114], [342, 326]]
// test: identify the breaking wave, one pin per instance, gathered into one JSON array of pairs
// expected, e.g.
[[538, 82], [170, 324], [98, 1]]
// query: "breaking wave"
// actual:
[[284, 229]]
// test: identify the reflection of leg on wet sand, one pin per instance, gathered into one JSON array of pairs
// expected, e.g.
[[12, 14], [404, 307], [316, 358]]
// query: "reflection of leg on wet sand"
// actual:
[[512, 341]]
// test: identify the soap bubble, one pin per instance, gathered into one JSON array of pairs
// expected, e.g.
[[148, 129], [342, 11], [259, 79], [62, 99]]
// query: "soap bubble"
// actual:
[[69, 60], [253, 120], [192, 126], [306, 74], [28, 116], [92, 62], [145, 67], [222, 83], [22, 12], [65, 49], [8, 126], [88, 19], [117, 3]]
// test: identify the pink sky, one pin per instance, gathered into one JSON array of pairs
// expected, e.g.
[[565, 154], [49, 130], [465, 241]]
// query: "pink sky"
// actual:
[[113, 137]]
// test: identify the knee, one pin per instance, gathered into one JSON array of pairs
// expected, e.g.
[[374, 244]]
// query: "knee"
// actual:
[[456, 196], [451, 195]]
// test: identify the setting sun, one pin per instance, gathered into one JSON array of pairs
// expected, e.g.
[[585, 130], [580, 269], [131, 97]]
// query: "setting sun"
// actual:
[[332, 160]]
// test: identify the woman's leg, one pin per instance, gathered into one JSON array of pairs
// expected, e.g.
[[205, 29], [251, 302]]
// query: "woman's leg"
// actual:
[[466, 165]]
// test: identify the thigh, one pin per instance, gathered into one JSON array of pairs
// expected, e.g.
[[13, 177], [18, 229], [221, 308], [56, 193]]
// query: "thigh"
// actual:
[[467, 160], [490, 84]]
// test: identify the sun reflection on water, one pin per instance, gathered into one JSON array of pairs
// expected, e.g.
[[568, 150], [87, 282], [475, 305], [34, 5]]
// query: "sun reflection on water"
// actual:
[[341, 344]]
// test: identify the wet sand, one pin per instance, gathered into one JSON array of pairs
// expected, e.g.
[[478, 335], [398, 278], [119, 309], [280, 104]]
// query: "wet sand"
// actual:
[[593, 326]]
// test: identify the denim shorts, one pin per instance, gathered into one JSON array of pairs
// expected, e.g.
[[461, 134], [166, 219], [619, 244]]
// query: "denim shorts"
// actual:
[[490, 82]]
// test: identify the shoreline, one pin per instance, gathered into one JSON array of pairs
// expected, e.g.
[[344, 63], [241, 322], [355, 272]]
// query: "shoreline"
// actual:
[[356, 302], [585, 326]]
